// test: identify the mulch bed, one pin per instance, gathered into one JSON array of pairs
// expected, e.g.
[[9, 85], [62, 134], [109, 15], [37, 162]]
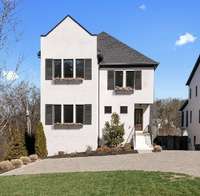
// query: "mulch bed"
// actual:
[[93, 153]]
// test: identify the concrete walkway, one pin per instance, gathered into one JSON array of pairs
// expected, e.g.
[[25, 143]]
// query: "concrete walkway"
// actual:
[[187, 162]]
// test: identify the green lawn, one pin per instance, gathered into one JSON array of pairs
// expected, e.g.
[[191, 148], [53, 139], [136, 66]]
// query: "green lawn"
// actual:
[[101, 183]]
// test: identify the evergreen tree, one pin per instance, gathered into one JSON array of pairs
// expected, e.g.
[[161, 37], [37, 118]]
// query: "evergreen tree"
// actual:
[[40, 141], [16, 146], [113, 132]]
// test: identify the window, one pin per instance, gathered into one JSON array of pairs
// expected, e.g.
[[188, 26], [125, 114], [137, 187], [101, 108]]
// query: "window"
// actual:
[[107, 109], [123, 109], [57, 68], [186, 118], [194, 140], [68, 68], [110, 80], [182, 119], [79, 68], [48, 114], [119, 78], [68, 113], [79, 113], [138, 80], [196, 91], [48, 69], [190, 116], [199, 116], [130, 79], [190, 93], [57, 113]]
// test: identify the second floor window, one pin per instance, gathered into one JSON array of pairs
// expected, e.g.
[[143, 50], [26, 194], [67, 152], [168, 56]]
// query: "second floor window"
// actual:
[[182, 119], [68, 68], [133, 79], [196, 91], [187, 118], [190, 116], [58, 68], [190, 93]]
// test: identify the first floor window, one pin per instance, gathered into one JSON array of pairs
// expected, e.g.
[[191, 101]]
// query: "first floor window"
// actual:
[[182, 119], [119, 78], [57, 68], [68, 113], [108, 109], [79, 68], [57, 113], [194, 140], [199, 116], [68, 68], [79, 113], [186, 118], [123, 109]]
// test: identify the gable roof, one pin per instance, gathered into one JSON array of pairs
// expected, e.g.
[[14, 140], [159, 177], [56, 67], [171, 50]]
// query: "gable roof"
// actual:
[[68, 16], [115, 53], [184, 105], [193, 71]]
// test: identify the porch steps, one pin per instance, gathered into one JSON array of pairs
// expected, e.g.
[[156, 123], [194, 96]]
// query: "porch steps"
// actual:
[[143, 142]]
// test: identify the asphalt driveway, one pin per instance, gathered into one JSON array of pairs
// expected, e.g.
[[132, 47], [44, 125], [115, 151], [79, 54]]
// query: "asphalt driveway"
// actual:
[[187, 162]]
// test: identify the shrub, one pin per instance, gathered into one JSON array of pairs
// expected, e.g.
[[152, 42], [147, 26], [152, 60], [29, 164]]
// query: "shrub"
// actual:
[[88, 150], [16, 147], [127, 147], [6, 166], [40, 141], [33, 157], [26, 160], [105, 149], [157, 148], [113, 132], [17, 163]]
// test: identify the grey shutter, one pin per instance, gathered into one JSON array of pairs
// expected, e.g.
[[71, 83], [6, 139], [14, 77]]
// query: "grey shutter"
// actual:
[[110, 80], [87, 114], [48, 114], [88, 69], [138, 80], [48, 69]]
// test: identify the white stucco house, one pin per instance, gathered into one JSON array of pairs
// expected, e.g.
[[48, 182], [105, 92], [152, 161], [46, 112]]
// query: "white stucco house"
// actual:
[[191, 107], [84, 79]]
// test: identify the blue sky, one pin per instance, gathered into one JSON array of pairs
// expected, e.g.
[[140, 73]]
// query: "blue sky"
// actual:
[[150, 26]]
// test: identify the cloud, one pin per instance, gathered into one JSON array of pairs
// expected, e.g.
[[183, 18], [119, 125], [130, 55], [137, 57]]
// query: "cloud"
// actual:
[[142, 7], [185, 39], [10, 75]]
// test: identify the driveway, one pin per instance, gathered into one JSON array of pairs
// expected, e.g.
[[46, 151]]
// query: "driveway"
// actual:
[[187, 162]]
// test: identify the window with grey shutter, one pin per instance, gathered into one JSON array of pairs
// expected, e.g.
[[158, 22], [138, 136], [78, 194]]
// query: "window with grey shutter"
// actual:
[[57, 68], [88, 69], [130, 79], [48, 69], [138, 80], [110, 80], [87, 114], [48, 114]]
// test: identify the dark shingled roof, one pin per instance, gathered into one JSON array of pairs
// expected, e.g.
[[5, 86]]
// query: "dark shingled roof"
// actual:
[[114, 52], [184, 105], [193, 71]]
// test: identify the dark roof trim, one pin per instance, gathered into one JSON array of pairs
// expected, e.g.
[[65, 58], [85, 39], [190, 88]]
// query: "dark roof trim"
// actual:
[[184, 105], [127, 65], [193, 71], [44, 35]]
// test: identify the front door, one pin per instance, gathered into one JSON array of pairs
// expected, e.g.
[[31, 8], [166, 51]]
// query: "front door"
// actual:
[[138, 119]]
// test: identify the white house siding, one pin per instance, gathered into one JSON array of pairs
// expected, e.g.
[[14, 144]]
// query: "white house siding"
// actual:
[[194, 106], [69, 41], [109, 98]]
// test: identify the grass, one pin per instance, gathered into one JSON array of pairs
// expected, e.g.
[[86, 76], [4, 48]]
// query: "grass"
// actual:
[[121, 183]]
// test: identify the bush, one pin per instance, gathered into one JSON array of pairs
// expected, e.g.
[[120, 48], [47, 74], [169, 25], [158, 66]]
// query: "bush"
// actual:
[[127, 147], [88, 150], [17, 163], [16, 147], [113, 132], [40, 141], [105, 149], [6, 166], [33, 157], [157, 148], [25, 160]]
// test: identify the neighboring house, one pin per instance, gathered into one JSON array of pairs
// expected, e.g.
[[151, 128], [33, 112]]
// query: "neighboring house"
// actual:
[[84, 79], [191, 108]]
